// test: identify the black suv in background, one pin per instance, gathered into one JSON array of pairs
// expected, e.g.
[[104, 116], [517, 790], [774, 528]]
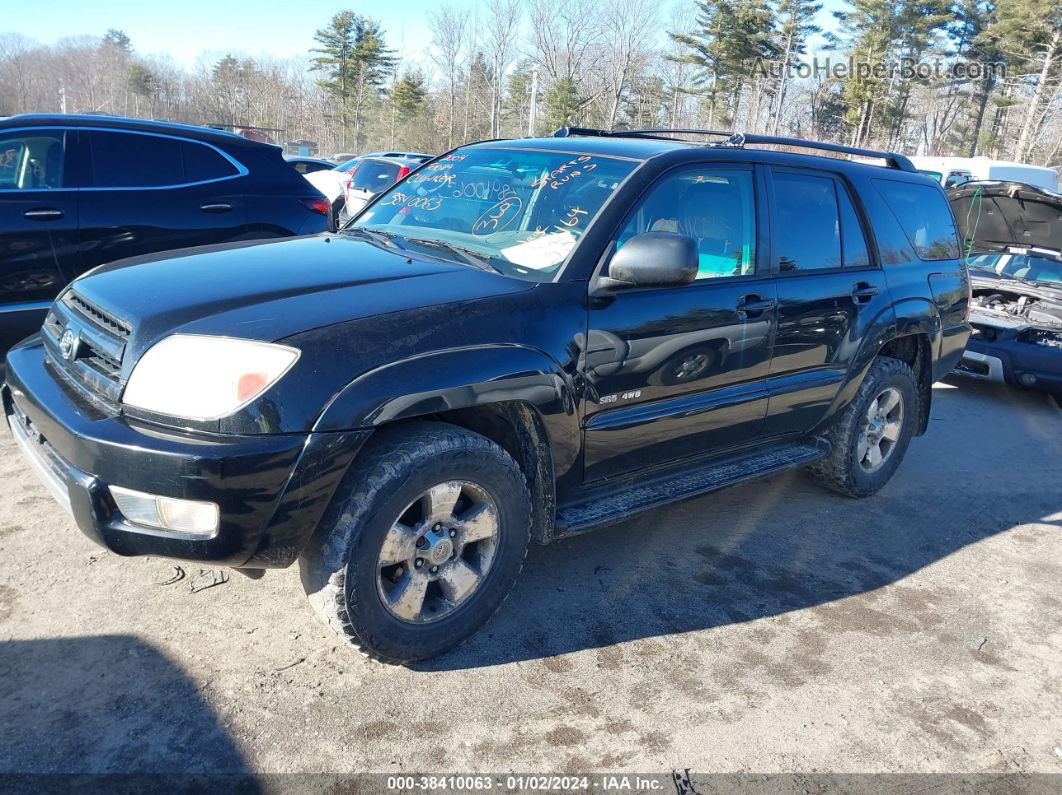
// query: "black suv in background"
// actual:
[[79, 191], [521, 340]]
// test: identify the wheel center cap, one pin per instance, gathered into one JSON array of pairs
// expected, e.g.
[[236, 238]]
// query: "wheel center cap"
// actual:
[[441, 551]]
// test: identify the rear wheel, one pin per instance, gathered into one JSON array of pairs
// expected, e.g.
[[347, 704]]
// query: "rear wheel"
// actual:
[[871, 437], [422, 545]]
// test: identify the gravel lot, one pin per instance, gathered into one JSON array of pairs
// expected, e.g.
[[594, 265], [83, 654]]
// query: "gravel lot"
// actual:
[[773, 627]]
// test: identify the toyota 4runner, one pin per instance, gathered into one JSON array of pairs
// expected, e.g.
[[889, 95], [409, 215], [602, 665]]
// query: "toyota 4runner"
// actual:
[[520, 341]]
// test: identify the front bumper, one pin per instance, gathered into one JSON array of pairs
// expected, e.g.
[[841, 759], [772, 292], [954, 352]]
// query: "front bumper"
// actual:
[[271, 489], [1009, 361]]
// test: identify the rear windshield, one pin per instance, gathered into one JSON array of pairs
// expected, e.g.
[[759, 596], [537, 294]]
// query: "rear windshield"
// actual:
[[374, 176], [520, 211], [925, 217]]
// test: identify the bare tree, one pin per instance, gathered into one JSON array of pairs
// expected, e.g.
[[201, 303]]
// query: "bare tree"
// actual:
[[450, 28], [629, 29], [499, 39]]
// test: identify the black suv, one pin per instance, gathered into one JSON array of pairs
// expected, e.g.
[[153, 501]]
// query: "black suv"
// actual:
[[520, 341], [79, 191]]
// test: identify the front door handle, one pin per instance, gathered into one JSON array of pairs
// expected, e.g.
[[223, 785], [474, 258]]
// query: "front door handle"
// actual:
[[753, 305], [44, 214], [218, 207], [864, 291]]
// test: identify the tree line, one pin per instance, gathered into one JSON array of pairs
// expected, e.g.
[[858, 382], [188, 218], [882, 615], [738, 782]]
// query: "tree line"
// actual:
[[502, 68]]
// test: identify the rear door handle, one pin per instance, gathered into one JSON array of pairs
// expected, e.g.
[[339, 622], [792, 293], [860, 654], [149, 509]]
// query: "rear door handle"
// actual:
[[218, 207], [753, 305], [44, 214], [864, 291]]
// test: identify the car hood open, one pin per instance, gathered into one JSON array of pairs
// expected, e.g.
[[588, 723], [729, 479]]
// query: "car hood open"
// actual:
[[272, 290], [1008, 213]]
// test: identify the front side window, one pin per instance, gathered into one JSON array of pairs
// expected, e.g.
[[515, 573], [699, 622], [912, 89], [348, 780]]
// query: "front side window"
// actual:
[[806, 223], [715, 206], [31, 160], [135, 160], [924, 216], [517, 211]]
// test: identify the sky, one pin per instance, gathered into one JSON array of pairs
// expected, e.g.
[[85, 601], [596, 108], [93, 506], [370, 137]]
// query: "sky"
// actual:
[[188, 30]]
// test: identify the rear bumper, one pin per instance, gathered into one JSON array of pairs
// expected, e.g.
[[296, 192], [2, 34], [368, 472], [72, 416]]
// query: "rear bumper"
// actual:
[[271, 490]]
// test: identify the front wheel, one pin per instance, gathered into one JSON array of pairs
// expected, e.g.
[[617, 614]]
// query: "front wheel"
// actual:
[[871, 436], [423, 543]]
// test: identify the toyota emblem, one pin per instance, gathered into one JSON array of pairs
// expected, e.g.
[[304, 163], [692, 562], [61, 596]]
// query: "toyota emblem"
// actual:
[[68, 344]]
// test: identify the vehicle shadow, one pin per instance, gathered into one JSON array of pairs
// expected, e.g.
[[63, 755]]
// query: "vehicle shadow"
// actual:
[[785, 543], [102, 707]]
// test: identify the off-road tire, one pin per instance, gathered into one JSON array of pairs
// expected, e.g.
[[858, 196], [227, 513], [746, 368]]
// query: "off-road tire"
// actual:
[[840, 470], [339, 565]]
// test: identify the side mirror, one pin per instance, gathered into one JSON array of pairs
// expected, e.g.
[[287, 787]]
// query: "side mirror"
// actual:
[[654, 259]]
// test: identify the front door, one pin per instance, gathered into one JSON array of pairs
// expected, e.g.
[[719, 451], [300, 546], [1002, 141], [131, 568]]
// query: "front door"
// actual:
[[38, 228], [681, 371]]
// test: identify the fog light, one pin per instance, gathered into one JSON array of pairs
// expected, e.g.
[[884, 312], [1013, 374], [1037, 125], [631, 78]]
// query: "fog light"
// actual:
[[191, 517], [1028, 379]]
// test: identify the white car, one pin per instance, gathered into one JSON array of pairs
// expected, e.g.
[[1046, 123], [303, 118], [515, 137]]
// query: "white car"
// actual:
[[348, 189]]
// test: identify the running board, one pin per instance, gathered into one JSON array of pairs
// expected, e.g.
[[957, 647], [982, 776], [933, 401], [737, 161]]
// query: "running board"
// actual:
[[620, 499]]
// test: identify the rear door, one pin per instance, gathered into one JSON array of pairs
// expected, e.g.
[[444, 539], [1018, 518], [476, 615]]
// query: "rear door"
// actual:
[[680, 372], [149, 192], [38, 227], [829, 290]]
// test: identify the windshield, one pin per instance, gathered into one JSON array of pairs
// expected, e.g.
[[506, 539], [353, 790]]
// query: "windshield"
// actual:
[[1020, 266], [519, 212]]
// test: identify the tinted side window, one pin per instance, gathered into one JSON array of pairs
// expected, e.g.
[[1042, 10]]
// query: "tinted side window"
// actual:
[[714, 206], [31, 160], [925, 217], [130, 160], [807, 228], [374, 176], [202, 163], [856, 254]]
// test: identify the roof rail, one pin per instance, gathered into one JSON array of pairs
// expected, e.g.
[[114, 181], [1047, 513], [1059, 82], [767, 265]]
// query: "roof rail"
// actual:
[[893, 159], [568, 132]]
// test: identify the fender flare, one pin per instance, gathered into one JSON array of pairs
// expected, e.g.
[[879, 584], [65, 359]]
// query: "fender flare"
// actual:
[[450, 379], [903, 318]]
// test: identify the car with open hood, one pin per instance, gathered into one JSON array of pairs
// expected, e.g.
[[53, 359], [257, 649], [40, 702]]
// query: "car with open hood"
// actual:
[[520, 341], [1012, 236]]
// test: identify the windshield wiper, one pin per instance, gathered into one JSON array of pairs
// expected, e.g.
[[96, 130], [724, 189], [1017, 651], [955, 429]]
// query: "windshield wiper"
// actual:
[[386, 238], [470, 256]]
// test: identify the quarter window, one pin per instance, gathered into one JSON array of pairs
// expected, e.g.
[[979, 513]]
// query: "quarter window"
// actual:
[[925, 217], [133, 160], [31, 160], [807, 225], [714, 206]]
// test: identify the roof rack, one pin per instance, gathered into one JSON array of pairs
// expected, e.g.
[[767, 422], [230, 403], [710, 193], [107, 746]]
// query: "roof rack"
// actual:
[[892, 159]]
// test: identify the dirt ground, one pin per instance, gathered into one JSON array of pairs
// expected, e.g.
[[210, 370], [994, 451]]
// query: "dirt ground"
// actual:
[[772, 627]]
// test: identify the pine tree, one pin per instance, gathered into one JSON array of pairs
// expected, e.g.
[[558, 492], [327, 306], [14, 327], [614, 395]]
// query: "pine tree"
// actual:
[[562, 103], [356, 62], [730, 41]]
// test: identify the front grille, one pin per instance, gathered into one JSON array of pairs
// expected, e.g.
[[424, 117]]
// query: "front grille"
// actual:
[[115, 325], [86, 343]]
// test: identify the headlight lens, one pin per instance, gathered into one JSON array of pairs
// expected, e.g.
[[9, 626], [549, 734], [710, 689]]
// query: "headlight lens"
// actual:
[[205, 378]]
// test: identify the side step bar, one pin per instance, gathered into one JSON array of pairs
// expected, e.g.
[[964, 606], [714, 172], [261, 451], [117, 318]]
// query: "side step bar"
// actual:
[[612, 502]]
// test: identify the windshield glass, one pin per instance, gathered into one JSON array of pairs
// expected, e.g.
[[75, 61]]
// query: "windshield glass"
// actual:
[[519, 212], [1020, 266]]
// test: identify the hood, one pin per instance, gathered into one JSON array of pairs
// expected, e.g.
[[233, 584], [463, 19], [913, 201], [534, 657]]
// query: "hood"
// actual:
[[271, 290], [1007, 213]]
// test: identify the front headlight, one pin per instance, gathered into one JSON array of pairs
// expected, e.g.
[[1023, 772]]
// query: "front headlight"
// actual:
[[205, 378]]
